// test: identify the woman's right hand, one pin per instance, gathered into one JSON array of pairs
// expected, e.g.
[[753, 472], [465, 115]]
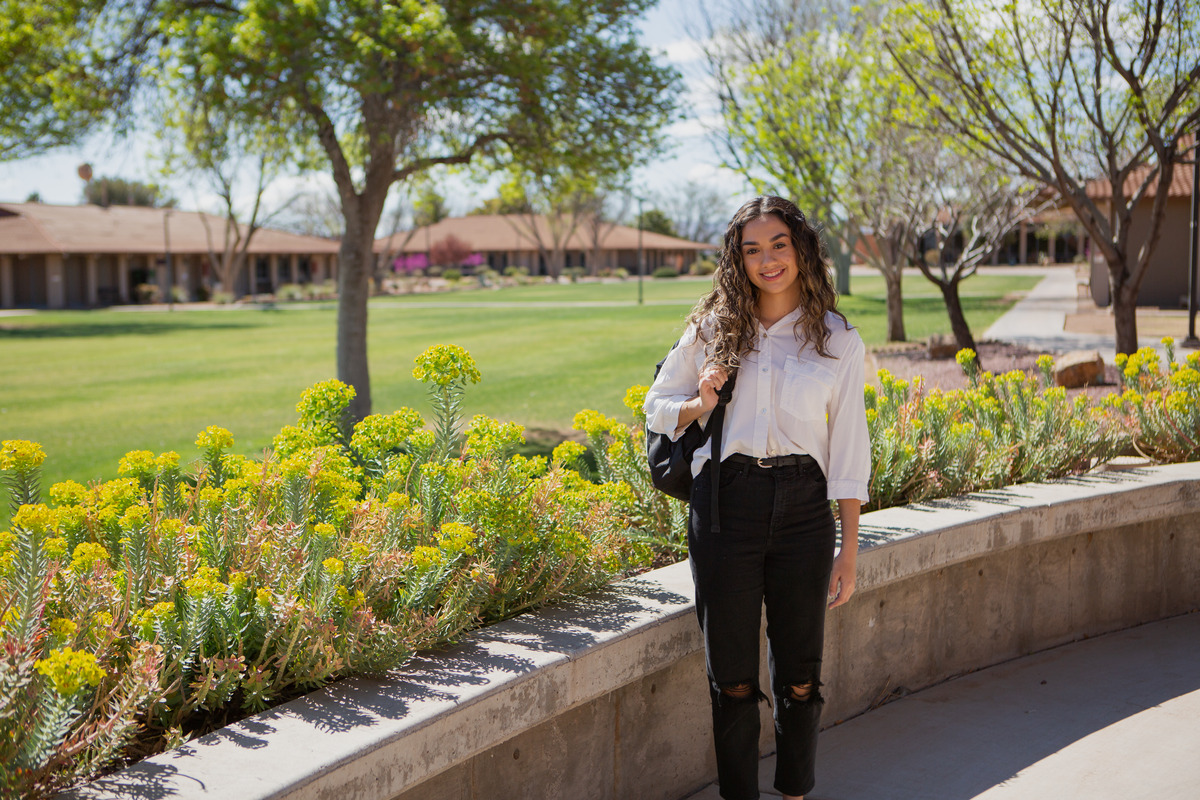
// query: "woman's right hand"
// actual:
[[711, 381]]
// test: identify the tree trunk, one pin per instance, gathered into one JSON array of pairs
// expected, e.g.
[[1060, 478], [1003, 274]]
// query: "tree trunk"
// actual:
[[895, 306], [1124, 301], [958, 322], [355, 262]]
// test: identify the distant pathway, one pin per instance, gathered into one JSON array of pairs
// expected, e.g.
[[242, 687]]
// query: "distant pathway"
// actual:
[[1038, 320]]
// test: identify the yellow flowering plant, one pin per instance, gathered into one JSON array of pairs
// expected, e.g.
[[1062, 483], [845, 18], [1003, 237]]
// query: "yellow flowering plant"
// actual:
[[1159, 407], [207, 593]]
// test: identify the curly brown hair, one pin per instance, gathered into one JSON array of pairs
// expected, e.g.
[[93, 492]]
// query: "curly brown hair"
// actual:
[[731, 305]]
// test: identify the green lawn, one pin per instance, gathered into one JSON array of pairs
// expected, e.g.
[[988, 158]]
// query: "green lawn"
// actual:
[[90, 386]]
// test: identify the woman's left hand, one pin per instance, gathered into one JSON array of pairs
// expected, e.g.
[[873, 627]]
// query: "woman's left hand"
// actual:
[[841, 582]]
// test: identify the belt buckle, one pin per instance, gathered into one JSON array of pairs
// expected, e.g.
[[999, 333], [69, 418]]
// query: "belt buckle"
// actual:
[[761, 464]]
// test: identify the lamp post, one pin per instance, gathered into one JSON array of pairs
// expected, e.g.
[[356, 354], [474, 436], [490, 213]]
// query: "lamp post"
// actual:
[[1191, 340], [170, 270], [641, 259]]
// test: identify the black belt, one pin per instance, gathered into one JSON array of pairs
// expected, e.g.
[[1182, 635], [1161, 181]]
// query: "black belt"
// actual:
[[791, 460]]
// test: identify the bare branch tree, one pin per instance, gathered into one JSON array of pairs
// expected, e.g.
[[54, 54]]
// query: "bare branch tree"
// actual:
[[1089, 97]]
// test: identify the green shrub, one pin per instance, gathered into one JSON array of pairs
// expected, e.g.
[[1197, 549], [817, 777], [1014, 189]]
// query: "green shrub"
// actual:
[[514, 271], [291, 293], [222, 298], [180, 294], [665, 272], [1159, 408], [141, 611], [621, 273], [703, 266], [574, 273], [452, 274], [1001, 430], [618, 452], [148, 293]]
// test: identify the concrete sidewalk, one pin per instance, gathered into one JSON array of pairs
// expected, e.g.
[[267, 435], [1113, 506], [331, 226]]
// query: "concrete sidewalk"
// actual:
[[1113, 717], [1039, 321]]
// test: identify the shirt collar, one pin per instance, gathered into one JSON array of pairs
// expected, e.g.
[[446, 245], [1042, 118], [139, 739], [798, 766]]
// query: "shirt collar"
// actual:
[[789, 320]]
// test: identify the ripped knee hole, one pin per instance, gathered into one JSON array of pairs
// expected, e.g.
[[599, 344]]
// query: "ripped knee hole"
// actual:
[[738, 691], [801, 691]]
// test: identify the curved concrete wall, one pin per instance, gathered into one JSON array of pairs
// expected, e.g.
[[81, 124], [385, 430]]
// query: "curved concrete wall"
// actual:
[[606, 697]]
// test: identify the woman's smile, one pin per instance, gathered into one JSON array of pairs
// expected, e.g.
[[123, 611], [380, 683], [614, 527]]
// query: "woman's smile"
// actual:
[[769, 258]]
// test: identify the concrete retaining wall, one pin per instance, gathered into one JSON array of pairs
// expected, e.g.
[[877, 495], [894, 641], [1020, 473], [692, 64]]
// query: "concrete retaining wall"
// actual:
[[606, 697]]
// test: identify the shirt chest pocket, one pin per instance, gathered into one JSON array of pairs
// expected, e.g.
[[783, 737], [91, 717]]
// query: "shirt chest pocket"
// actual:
[[807, 388]]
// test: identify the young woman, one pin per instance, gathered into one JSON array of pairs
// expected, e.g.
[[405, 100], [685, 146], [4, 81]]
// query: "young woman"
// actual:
[[795, 437]]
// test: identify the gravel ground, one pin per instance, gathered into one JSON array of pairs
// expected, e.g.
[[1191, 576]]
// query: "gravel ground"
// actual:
[[909, 360]]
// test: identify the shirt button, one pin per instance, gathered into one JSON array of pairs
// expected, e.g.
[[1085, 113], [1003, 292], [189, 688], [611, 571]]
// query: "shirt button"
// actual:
[[763, 411], [764, 369]]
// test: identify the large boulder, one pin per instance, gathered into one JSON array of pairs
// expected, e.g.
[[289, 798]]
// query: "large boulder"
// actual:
[[1079, 368], [942, 346]]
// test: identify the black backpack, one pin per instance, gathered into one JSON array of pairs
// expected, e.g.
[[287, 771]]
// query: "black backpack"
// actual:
[[671, 461]]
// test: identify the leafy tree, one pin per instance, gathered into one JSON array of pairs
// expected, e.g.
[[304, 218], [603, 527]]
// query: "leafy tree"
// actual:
[[812, 111], [510, 199], [389, 90], [599, 214], [66, 65], [657, 221], [230, 151], [114, 191], [429, 206], [1070, 94]]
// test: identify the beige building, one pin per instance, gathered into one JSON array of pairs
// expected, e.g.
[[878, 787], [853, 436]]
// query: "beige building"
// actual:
[[498, 241], [88, 256], [1166, 281]]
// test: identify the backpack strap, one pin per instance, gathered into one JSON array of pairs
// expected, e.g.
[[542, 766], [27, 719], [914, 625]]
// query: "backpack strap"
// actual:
[[716, 424]]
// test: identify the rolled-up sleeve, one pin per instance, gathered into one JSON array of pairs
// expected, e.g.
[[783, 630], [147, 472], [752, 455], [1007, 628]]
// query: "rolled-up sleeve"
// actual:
[[849, 442], [678, 381]]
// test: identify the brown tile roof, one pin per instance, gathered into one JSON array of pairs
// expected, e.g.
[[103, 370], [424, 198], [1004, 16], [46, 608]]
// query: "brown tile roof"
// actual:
[[30, 228], [1181, 184], [500, 232]]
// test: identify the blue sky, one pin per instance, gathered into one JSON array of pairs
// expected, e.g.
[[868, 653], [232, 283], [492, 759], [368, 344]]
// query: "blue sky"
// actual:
[[663, 29]]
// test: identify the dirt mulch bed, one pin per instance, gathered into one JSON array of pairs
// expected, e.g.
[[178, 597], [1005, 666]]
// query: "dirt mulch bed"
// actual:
[[909, 360]]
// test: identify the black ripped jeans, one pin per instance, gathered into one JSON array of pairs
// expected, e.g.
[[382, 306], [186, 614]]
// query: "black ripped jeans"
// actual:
[[776, 546]]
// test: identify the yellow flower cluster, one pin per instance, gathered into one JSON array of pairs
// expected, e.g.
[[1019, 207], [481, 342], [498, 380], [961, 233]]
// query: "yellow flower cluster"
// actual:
[[446, 364], [20, 455], [39, 519], [69, 670], [455, 537], [214, 438], [635, 399], [487, 436], [86, 556], [68, 493], [205, 583]]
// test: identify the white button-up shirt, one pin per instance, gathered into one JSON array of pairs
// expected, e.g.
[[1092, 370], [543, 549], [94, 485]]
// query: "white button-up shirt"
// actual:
[[788, 399]]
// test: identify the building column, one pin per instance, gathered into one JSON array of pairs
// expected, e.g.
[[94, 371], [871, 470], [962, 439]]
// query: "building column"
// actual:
[[1050, 256], [161, 278], [333, 268], [55, 293], [93, 281], [273, 271], [1023, 244], [123, 278], [7, 300], [294, 268]]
